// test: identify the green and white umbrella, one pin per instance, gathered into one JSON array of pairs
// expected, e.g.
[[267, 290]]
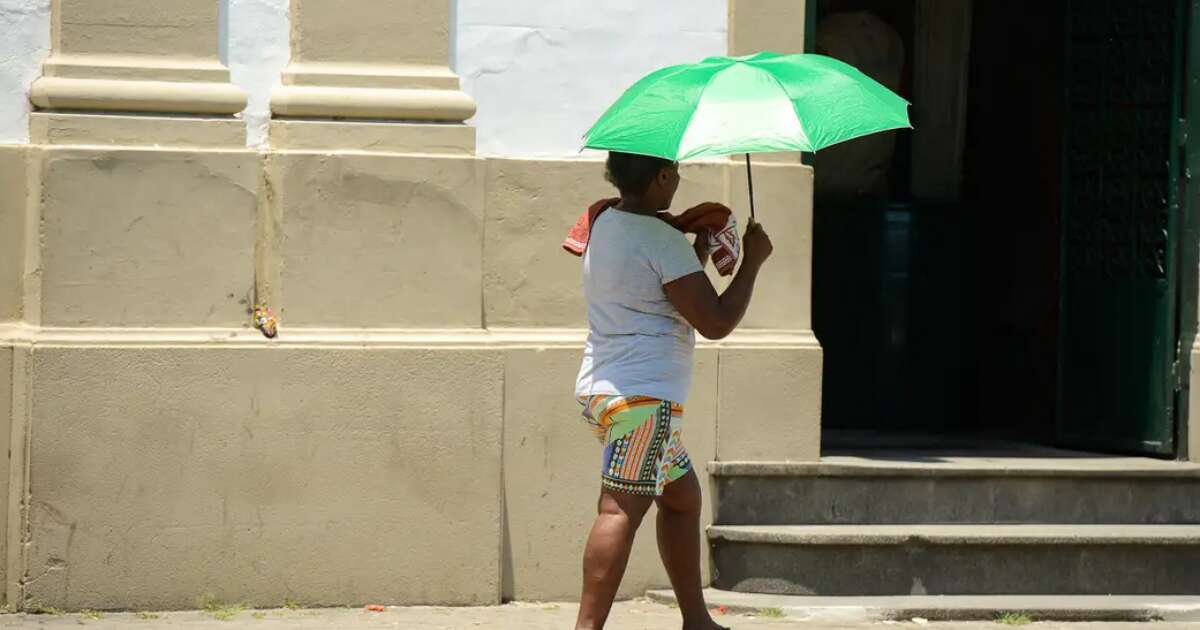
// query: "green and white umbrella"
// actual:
[[759, 103]]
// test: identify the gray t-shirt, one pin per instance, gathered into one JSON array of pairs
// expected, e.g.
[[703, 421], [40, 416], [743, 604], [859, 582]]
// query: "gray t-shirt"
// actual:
[[638, 344]]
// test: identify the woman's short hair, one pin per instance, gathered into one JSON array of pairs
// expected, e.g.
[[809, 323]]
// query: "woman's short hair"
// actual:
[[631, 173]]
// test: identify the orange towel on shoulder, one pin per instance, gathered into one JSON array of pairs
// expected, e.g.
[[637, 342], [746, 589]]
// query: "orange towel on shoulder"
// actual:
[[577, 238], [712, 219]]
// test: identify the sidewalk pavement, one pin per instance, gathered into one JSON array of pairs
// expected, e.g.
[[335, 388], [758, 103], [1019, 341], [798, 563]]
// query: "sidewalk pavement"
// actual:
[[633, 615]]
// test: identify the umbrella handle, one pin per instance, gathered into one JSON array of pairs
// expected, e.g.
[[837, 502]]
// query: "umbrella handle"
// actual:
[[750, 183]]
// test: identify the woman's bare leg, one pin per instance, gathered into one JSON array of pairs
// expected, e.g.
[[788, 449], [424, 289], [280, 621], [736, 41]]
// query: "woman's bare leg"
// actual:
[[679, 545], [607, 552]]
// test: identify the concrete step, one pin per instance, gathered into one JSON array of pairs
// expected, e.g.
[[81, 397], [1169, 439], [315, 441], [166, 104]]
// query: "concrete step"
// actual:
[[952, 608], [869, 560], [949, 489]]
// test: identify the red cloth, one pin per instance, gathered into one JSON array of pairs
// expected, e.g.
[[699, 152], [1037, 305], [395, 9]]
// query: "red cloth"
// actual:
[[713, 220], [577, 238]]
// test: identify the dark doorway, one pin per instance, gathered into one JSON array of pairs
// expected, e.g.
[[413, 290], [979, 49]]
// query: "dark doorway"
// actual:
[[1012, 190], [937, 288]]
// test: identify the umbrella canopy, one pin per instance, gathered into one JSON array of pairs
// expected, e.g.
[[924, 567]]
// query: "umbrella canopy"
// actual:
[[754, 104]]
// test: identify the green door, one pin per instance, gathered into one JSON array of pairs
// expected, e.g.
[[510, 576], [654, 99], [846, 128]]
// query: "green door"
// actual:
[[1123, 247]]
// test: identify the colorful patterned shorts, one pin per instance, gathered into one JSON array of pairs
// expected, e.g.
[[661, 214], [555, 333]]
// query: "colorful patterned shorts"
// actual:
[[641, 437]]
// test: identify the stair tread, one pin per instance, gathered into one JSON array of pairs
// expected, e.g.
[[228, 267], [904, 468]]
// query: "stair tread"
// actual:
[[955, 607], [950, 464], [992, 534]]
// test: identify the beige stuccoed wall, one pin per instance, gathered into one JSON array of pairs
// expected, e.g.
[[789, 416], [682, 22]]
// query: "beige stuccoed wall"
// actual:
[[1193, 433], [8, 380], [136, 237], [410, 437], [1193, 419], [380, 240], [13, 197], [418, 34], [331, 476], [14, 175], [174, 452], [775, 25]]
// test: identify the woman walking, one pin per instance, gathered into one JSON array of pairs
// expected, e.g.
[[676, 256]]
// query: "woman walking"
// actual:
[[647, 295]]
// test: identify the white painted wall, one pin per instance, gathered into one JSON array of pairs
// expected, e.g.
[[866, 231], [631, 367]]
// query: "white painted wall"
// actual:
[[24, 44], [256, 50], [542, 71]]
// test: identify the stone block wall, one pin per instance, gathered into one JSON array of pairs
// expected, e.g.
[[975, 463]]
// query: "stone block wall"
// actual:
[[410, 436]]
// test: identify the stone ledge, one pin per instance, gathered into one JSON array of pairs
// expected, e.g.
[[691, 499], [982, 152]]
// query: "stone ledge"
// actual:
[[372, 103], [76, 129], [1057, 468], [372, 136], [135, 68], [351, 75], [954, 607], [364, 338], [990, 534], [120, 95]]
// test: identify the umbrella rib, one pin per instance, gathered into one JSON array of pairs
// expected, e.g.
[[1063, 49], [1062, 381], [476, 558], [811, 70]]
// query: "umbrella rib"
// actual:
[[786, 95]]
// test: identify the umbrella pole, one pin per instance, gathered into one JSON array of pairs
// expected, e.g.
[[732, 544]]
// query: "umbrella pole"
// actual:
[[750, 183]]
